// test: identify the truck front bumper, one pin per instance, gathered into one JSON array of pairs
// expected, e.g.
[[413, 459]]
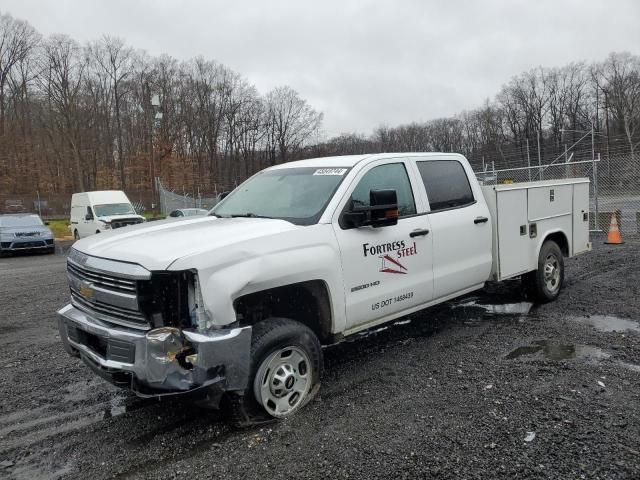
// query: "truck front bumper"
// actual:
[[163, 361]]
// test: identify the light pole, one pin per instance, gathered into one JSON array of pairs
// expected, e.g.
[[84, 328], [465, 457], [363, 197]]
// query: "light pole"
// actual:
[[594, 163]]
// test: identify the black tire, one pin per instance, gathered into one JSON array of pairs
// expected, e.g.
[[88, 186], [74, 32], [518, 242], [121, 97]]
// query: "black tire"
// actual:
[[544, 284], [51, 250], [271, 337], [76, 235]]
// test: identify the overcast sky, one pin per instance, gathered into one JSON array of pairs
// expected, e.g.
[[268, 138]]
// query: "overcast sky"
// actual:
[[362, 63]]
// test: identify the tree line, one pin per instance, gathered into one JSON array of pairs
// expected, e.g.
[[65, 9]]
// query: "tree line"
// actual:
[[104, 115], [549, 107]]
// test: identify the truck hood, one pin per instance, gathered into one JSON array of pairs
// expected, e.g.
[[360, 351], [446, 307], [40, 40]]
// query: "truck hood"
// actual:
[[156, 245]]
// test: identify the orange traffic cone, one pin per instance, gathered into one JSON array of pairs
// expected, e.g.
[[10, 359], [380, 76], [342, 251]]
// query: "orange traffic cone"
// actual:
[[614, 238]]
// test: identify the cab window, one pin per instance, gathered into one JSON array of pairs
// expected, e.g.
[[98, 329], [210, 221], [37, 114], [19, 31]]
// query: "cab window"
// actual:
[[446, 183], [390, 176]]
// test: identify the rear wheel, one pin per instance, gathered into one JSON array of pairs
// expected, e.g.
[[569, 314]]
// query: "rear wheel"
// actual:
[[286, 364], [545, 283]]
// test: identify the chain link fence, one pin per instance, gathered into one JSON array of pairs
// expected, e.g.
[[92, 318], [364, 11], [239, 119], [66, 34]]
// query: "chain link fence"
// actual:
[[614, 184], [170, 200]]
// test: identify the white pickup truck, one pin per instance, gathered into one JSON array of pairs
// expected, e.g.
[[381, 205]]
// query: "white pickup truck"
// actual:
[[237, 304]]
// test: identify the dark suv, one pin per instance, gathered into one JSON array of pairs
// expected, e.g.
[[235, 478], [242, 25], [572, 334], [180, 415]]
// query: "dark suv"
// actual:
[[23, 232]]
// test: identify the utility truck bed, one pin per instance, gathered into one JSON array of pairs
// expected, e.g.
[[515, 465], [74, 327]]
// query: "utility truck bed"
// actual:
[[521, 210]]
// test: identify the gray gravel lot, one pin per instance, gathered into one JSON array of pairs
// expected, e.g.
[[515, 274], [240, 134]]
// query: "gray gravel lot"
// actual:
[[474, 389]]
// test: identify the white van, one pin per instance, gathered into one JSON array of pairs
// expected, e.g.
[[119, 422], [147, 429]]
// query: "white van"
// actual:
[[94, 212]]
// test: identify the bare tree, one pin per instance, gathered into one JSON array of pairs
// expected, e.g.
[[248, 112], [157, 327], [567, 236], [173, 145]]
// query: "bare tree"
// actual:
[[115, 60], [61, 79], [17, 40], [291, 120], [619, 79]]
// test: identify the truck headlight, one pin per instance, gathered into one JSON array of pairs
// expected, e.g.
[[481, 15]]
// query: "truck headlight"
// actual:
[[106, 226]]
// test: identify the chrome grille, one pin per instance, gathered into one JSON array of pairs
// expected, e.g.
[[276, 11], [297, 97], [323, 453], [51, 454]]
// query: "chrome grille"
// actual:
[[124, 222], [109, 282], [106, 289], [109, 313]]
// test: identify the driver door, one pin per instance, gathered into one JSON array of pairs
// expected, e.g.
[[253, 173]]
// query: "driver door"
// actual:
[[85, 227], [386, 269]]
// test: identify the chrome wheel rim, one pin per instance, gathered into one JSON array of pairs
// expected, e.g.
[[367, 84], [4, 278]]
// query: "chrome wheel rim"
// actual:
[[552, 273], [283, 381]]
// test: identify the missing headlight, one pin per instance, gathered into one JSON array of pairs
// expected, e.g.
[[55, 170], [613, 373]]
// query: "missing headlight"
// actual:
[[164, 298]]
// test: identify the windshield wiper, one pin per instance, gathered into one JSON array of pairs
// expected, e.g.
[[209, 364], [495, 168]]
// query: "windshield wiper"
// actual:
[[247, 215]]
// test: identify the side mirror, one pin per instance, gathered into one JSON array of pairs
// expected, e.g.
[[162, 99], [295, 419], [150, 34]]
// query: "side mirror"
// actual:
[[46, 223], [384, 207], [88, 217], [382, 210]]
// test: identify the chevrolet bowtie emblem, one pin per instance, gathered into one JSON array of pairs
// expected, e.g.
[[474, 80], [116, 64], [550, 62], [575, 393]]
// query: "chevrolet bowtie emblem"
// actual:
[[86, 291]]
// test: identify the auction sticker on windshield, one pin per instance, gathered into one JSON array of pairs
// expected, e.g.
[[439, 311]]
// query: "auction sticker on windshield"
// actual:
[[330, 171]]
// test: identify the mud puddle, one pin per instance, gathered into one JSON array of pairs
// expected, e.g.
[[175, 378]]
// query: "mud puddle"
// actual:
[[609, 323], [551, 351], [489, 309]]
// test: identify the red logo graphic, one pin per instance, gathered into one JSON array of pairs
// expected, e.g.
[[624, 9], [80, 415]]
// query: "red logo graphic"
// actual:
[[390, 265]]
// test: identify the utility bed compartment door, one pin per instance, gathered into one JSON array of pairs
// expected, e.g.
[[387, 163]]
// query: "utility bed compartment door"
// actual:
[[549, 201], [581, 218], [514, 248]]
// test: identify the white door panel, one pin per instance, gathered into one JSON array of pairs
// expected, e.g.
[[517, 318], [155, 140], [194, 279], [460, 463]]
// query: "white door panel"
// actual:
[[385, 269], [460, 225], [461, 248]]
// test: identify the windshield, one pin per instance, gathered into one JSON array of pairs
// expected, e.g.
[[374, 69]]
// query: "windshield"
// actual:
[[298, 195], [22, 221], [113, 209]]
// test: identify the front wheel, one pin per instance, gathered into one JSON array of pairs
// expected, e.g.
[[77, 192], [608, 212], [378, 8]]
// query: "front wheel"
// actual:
[[286, 364], [545, 283], [76, 235]]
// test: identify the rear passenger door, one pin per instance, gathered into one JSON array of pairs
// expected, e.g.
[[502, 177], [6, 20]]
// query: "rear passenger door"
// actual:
[[460, 226]]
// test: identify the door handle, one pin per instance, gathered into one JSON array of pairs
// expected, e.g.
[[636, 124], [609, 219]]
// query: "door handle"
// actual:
[[478, 220], [419, 233]]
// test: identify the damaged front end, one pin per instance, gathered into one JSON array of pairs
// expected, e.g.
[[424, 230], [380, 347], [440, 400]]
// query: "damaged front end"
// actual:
[[149, 331]]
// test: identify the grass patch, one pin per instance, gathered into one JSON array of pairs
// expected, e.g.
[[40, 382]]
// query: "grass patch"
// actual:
[[152, 215], [60, 228]]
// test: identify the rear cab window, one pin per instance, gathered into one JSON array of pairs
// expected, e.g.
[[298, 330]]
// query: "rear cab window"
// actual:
[[446, 183]]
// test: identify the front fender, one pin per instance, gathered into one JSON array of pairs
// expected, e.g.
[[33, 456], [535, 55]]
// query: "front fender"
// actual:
[[308, 253]]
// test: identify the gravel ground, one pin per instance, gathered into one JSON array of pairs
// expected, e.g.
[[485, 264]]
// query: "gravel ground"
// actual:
[[478, 388]]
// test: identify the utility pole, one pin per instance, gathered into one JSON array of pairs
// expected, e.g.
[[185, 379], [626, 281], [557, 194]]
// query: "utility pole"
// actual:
[[593, 144], [528, 160], [606, 121], [595, 189], [540, 158], [39, 209]]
